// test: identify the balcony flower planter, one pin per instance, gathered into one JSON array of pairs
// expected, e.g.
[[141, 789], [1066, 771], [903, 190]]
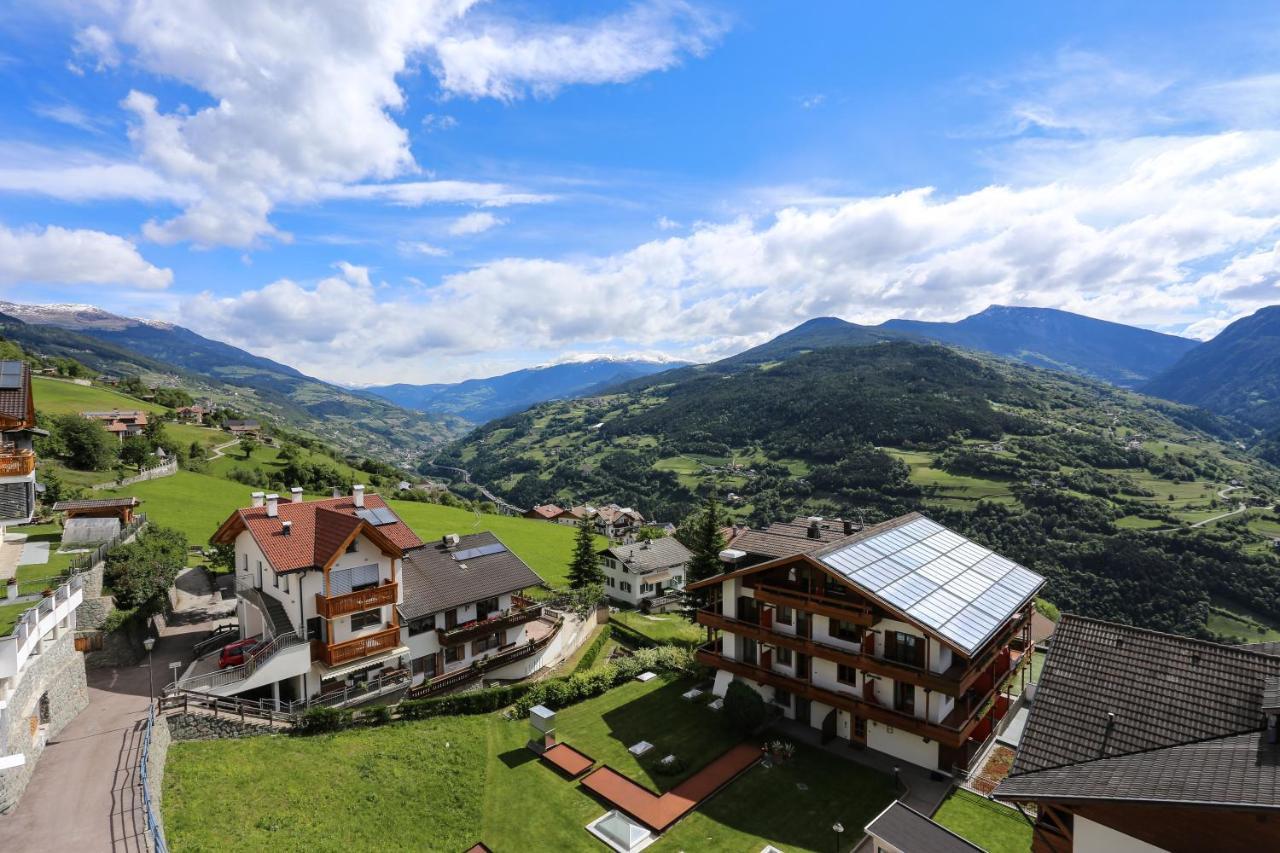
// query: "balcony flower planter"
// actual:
[[11, 588]]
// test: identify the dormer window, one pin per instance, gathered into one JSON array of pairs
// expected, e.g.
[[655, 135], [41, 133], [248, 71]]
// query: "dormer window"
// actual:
[[353, 547]]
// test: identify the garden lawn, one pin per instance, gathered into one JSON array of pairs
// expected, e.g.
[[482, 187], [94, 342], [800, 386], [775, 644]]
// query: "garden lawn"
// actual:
[[546, 547], [37, 576], [9, 614], [406, 786], [660, 627], [990, 825], [60, 398]]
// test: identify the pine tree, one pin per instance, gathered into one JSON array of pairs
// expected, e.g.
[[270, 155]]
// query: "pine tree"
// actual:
[[584, 569], [705, 543]]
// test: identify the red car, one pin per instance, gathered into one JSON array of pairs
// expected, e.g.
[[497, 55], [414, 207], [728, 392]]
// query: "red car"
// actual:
[[235, 653]]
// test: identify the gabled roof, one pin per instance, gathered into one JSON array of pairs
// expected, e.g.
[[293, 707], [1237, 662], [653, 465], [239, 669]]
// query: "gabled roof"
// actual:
[[16, 404], [1128, 713], [97, 503], [953, 588], [547, 511], [785, 538], [912, 832], [320, 530], [439, 578], [640, 557]]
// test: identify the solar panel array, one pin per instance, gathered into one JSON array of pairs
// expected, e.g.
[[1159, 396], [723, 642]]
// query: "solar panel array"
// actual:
[[378, 516], [960, 589], [479, 551], [10, 374]]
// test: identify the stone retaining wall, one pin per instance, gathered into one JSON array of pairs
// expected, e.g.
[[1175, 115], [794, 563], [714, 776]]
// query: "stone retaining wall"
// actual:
[[182, 726], [58, 670]]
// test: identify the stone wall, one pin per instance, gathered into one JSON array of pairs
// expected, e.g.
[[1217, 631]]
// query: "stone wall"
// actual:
[[182, 726], [164, 469], [58, 670]]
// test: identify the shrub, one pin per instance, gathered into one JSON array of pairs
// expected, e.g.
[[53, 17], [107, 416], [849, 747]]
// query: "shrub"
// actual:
[[744, 708], [375, 715], [592, 653], [323, 719]]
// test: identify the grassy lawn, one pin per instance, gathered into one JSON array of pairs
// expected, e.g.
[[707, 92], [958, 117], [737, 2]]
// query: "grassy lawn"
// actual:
[[188, 433], [998, 828], [34, 578], [196, 504], [660, 627], [9, 614], [1014, 684], [547, 548], [60, 398], [1134, 522], [416, 786], [445, 783]]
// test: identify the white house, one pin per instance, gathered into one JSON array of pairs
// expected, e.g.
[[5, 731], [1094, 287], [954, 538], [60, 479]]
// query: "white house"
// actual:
[[648, 569]]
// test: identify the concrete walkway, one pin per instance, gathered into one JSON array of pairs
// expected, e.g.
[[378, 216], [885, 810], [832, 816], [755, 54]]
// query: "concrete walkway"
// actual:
[[85, 795]]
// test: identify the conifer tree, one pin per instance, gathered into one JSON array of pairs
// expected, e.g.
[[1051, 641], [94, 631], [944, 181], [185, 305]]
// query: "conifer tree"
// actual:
[[584, 569], [705, 543]]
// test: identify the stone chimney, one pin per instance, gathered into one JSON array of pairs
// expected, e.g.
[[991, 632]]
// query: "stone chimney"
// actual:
[[815, 527], [337, 491], [256, 499], [272, 500], [296, 494], [357, 495], [848, 527]]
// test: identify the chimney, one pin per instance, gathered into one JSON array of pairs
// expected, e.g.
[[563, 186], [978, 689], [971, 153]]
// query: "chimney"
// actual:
[[286, 527], [848, 527], [272, 499], [256, 499], [337, 491], [815, 528], [357, 495], [296, 494], [449, 540]]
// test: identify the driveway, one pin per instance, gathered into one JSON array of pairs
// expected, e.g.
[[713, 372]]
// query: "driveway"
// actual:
[[84, 796]]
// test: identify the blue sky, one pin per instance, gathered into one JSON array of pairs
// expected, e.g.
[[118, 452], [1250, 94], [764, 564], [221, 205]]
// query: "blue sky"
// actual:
[[454, 189]]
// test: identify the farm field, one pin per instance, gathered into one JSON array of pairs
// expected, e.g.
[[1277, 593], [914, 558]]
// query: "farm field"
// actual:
[[57, 397]]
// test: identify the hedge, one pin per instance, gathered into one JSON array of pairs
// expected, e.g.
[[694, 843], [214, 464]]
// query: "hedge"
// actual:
[[562, 692], [588, 658]]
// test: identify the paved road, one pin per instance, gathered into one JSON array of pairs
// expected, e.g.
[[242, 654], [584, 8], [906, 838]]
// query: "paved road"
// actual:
[[466, 478], [84, 796]]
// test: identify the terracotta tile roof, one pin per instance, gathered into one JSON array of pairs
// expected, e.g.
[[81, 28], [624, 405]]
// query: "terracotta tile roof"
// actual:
[[547, 511], [1127, 713], [318, 529]]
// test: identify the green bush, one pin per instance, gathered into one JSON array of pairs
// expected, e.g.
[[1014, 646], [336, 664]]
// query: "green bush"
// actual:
[[562, 692], [324, 719], [589, 657], [744, 708], [375, 715]]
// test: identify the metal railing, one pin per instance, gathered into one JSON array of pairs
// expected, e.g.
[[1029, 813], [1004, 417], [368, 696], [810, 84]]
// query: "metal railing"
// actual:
[[155, 833], [97, 555], [230, 675], [216, 640]]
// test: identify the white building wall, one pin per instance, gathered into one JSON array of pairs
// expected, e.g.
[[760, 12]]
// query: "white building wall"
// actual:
[[901, 744], [1092, 837]]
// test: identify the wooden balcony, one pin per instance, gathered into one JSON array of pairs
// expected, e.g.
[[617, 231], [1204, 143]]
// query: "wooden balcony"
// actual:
[[946, 683], [799, 598], [354, 602], [336, 654], [953, 733], [16, 463], [482, 627]]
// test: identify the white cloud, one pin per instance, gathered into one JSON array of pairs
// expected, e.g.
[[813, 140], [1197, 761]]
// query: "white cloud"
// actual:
[[474, 223], [509, 60], [666, 224], [70, 115], [417, 247], [74, 256], [1188, 230], [432, 122], [75, 176], [304, 97], [809, 102]]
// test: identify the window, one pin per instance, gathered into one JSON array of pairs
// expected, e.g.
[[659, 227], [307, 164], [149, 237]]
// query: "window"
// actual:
[[314, 631], [783, 616], [781, 698], [784, 659], [366, 619], [846, 675], [646, 587], [486, 606], [275, 580], [625, 585], [860, 728], [904, 648], [453, 654], [749, 650], [678, 580], [246, 563], [451, 619], [286, 584], [485, 644], [423, 668], [846, 631], [353, 547], [904, 697], [609, 581], [422, 625]]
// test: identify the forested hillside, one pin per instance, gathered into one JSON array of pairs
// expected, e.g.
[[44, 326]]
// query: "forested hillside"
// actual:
[[1096, 487]]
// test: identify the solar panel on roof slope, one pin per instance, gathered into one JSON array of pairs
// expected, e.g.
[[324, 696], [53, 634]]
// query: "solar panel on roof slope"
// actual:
[[10, 374], [479, 551]]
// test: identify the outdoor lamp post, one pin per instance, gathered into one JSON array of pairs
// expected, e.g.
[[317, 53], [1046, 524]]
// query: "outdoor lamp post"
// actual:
[[838, 828], [150, 643]]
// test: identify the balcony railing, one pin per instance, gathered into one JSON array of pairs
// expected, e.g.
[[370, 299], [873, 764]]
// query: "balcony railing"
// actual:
[[354, 602], [481, 665], [15, 462], [481, 627], [336, 654], [800, 598]]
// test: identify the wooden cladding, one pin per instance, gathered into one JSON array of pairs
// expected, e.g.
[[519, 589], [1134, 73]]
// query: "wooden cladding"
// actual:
[[354, 602], [17, 463], [827, 605], [340, 653]]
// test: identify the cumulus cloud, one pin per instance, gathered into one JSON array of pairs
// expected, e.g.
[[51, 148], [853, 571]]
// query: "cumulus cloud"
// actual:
[[303, 97], [75, 256], [1188, 230], [474, 223]]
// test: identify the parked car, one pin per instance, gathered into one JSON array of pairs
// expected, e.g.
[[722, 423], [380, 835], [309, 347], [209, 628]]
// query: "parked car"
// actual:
[[234, 654]]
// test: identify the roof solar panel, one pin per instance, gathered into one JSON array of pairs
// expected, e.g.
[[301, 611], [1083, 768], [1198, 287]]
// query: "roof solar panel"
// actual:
[[917, 555], [879, 575], [937, 607], [10, 374], [385, 515], [479, 551], [941, 570], [968, 585], [993, 566], [945, 541], [969, 553], [906, 591], [366, 515], [971, 626]]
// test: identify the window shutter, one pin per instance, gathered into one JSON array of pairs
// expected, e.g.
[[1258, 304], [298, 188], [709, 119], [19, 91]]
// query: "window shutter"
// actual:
[[343, 581]]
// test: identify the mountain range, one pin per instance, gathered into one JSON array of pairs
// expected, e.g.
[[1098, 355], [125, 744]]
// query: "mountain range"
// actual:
[[480, 400]]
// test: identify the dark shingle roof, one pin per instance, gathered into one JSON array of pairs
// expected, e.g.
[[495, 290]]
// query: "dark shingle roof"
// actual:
[[911, 832], [1187, 720], [787, 538], [15, 403], [664, 553], [1267, 647], [99, 503], [435, 581]]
